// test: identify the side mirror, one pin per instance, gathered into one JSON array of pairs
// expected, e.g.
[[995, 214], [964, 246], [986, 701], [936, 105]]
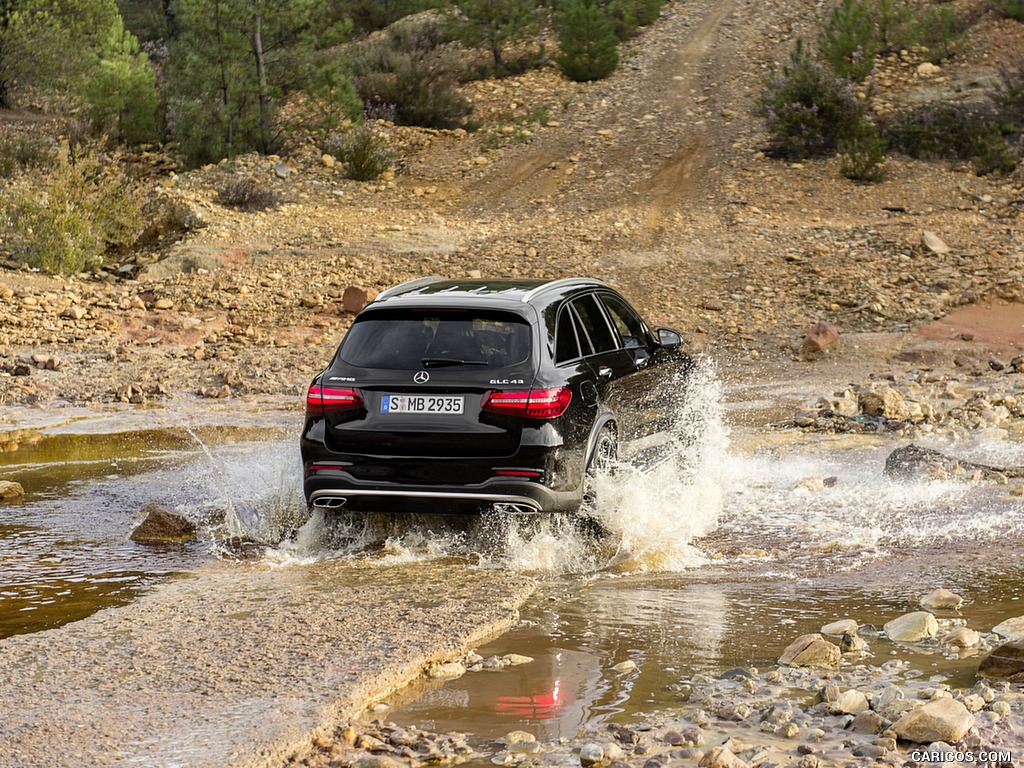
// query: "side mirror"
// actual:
[[669, 339]]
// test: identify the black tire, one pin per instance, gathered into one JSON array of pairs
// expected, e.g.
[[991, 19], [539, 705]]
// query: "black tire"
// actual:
[[602, 461]]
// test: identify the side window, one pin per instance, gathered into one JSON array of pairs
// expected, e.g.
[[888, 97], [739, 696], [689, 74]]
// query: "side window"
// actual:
[[567, 347], [627, 323], [594, 324]]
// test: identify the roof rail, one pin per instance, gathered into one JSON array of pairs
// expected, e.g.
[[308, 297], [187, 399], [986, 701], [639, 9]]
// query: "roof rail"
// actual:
[[408, 285], [558, 284]]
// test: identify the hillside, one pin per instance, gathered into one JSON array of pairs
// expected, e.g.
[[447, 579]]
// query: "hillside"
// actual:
[[654, 180]]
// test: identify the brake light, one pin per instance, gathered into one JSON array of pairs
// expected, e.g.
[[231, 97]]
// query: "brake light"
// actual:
[[321, 400], [532, 403]]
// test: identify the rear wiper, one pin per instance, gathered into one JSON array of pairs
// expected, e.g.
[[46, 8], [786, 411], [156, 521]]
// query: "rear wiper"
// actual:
[[429, 362]]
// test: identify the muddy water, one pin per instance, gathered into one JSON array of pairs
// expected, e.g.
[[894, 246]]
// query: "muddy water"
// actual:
[[714, 561]]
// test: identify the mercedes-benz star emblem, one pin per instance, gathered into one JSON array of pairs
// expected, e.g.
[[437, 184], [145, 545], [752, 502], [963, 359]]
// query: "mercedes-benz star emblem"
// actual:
[[421, 377]]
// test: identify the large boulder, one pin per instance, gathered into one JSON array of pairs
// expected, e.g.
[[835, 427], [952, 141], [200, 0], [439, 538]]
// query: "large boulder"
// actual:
[[912, 627], [162, 526], [942, 599], [943, 719], [811, 650], [1005, 661], [1011, 629]]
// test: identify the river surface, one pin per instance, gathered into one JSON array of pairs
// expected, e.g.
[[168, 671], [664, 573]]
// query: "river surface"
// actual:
[[708, 563]]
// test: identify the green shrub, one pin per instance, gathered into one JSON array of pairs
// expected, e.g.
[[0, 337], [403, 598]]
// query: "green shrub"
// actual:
[[848, 42], [1014, 9], [122, 91], [245, 193], [807, 110], [18, 153], [412, 77], [590, 49], [330, 100], [862, 155], [894, 24], [629, 15], [363, 152], [940, 30], [65, 219], [952, 132]]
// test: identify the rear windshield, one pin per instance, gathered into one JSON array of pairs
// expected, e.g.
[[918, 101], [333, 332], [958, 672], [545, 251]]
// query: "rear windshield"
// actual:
[[399, 339]]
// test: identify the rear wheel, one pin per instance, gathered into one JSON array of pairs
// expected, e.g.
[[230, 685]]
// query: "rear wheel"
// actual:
[[602, 462]]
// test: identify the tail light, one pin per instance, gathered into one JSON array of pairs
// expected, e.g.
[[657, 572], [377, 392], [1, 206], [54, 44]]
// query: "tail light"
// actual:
[[531, 403], [320, 400]]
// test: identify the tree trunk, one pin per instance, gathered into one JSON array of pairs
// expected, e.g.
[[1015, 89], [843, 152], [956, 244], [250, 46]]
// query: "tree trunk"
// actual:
[[261, 75]]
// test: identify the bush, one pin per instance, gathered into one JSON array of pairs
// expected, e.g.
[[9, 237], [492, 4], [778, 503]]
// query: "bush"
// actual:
[[590, 49], [412, 76], [953, 132], [628, 15], [18, 153], [363, 152], [848, 40], [939, 29], [330, 100], [66, 219], [1014, 9], [245, 193], [808, 110], [862, 155]]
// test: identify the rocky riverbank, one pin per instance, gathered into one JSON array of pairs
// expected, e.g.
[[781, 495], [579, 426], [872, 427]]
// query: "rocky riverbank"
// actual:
[[828, 702]]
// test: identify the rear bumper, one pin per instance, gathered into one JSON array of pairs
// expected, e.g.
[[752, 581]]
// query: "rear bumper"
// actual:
[[340, 491]]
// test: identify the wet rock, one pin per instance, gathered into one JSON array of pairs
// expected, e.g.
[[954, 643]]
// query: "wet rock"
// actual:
[[867, 722], [961, 637], [886, 403], [839, 628], [515, 659], [942, 719], [852, 643], [849, 703], [1005, 661], [376, 761], [10, 490], [912, 462], [447, 671], [721, 757], [625, 666], [591, 754], [912, 627], [518, 737], [1012, 629], [811, 650], [162, 526], [942, 599], [820, 340]]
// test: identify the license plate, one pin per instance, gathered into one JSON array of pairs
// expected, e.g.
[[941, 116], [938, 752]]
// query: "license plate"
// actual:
[[422, 404]]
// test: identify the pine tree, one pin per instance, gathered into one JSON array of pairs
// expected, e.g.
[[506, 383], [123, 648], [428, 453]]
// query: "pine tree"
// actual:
[[233, 64], [590, 48], [122, 93], [494, 25], [848, 40]]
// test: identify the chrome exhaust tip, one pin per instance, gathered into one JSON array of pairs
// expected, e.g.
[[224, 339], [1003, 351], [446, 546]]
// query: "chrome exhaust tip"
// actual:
[[330, 502]]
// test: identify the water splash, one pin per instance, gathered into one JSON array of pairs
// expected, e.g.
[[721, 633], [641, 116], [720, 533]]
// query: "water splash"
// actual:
[[645, 519]]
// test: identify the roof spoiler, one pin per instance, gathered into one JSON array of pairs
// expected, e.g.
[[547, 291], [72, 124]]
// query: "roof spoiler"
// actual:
[[407, 286]]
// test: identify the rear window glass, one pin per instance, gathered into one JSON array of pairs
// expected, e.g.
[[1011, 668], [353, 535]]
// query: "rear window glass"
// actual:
[[436, 338]]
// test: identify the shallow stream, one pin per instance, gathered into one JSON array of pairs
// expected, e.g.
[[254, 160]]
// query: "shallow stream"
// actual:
[[763, 536]]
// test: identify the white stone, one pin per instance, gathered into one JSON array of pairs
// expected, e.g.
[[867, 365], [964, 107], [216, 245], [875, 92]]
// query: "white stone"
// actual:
[[912, 627], [625, 666], [942, 599], [839, 628], [515, 659], [942, 719], [447, 671], [849, 703]]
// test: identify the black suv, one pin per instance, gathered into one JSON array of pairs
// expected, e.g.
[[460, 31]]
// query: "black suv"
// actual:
[[467, 395]]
